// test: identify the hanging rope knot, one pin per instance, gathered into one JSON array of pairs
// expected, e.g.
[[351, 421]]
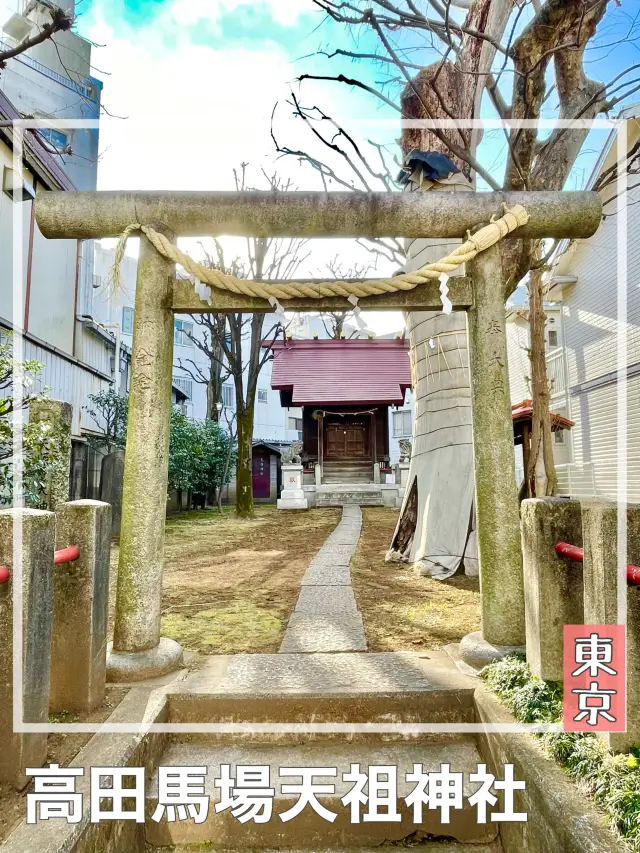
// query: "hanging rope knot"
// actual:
[[487, 236]]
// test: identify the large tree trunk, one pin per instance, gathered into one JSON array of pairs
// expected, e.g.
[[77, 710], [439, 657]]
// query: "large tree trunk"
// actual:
[[442, 456], [441, 470], [244, 473]]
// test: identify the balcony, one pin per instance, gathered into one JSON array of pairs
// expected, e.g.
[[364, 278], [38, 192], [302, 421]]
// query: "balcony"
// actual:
[[88, 88]]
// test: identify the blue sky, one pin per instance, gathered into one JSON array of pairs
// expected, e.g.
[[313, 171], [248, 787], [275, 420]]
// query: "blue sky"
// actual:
[[266, 45], [190, 86]]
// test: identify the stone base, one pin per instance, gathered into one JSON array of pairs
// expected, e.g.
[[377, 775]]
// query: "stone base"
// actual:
[[292, 503], [125, 667], [476, 653]]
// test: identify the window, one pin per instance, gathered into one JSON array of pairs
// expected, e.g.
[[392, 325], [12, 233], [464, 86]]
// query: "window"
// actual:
[[402, 424], [181, 331], [228, 396], [263, 395], [127, 320], [558, 436], [295, 423], [184, 384], [553, 338], [56, 138]]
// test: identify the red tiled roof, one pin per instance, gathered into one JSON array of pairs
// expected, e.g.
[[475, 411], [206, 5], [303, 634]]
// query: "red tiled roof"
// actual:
[[333, 372], [524, 412]]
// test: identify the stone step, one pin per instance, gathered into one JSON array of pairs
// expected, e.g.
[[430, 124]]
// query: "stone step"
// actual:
[[339, 494], [438, 846], [342, 477], [340, 688], [308, 830], [351, 463], [443, 845], [309, 633]]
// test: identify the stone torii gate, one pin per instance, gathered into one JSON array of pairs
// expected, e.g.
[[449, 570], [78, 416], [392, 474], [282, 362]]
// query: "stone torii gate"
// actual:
[[138, 650]]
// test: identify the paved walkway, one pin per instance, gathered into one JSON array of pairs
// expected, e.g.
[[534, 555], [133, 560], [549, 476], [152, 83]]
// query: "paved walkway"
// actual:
[[326, 617]]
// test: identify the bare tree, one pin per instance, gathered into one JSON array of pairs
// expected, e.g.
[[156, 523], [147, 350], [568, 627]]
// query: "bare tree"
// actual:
[[525, 56], [334, 322], [61, 21], [237, 345]]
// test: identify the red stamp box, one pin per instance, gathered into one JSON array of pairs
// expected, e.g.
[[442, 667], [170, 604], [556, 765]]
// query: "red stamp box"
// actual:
[[594, 678]]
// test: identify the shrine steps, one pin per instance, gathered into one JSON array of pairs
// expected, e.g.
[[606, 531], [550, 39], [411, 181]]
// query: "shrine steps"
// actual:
[[314, 710], [345, 493], [347, 472], [437, 846], [309, 830]]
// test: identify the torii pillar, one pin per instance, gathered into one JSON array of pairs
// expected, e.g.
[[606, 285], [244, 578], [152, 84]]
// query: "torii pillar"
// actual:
[[138, 650]]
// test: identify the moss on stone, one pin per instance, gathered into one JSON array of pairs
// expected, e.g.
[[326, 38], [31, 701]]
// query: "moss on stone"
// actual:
[[224, 630]]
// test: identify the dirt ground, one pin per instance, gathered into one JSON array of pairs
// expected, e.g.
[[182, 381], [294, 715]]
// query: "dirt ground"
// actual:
[[61, 749], [401, 609], [230, 585]]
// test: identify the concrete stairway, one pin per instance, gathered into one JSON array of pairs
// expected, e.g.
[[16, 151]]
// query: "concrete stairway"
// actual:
[[294, 703], [347, 472]]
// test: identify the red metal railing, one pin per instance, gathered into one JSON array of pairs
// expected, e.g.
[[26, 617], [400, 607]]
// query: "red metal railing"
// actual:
[[572, 552], [64, 555]]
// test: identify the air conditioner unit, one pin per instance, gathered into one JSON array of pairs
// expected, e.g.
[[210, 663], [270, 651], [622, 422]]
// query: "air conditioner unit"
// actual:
[[18, 27]]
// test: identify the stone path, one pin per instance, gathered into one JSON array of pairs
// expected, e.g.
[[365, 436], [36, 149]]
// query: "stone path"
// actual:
[[326, 617]]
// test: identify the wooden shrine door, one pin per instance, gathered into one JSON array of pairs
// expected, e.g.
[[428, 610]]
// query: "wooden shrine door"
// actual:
[[347, 440]]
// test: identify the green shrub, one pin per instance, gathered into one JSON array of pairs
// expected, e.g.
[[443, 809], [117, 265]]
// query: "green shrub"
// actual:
[[612, 780]]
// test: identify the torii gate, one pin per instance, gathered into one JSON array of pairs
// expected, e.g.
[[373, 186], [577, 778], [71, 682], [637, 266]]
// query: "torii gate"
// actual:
[[138, 650]]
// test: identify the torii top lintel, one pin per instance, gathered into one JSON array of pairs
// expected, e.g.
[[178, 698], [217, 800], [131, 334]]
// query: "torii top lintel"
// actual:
[[93, 215]]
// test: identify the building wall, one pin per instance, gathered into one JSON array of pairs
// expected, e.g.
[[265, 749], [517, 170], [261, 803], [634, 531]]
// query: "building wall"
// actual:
[[68, 379], [394, 440], [53, 271], [54, 80], [587, 389], [518, 359]]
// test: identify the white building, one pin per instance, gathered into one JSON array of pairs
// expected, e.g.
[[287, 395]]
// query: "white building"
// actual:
[[53, 80], [585, 335]]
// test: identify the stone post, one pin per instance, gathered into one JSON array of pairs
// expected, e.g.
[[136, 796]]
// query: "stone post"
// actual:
[[34, 531], [138, 651], [498, 521], [600, 538], [552, 584], [81, 607], [59, 416], [111, 480], [318, 473], [376, 473]]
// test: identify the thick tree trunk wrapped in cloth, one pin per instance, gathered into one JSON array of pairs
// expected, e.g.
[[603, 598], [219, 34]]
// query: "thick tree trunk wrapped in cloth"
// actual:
[[435, 526]]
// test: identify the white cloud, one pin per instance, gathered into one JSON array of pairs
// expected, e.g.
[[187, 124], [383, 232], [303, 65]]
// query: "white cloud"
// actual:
[[189, 12], [193, 113]]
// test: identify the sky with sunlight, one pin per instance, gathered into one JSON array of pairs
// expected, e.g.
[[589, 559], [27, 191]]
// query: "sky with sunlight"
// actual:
[[190, 87]]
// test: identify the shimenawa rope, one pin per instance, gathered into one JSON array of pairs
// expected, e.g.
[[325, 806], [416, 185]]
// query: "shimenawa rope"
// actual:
[[487, 236]]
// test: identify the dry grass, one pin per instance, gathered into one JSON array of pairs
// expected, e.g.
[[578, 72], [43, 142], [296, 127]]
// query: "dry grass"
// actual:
[[401, 609], [230, 585]]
